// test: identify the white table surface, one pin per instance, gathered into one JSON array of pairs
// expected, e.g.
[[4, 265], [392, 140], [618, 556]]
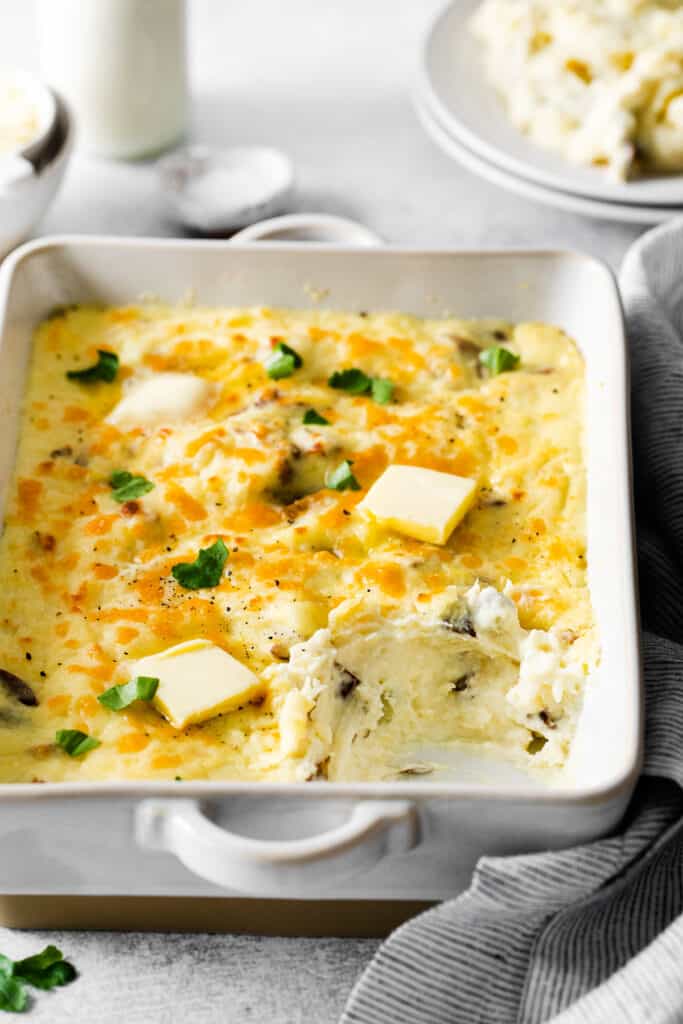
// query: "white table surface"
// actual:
[[328, 82]]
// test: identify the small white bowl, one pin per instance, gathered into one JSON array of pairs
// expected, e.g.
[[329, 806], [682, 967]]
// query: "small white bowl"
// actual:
[[32, 176], [220, 190]]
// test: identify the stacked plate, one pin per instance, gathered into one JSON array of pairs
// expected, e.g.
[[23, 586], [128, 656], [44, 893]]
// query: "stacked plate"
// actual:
[[464, 116]]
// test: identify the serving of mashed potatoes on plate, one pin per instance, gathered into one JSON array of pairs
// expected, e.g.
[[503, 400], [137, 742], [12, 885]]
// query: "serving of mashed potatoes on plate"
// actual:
[[268, 544], [598, 81]]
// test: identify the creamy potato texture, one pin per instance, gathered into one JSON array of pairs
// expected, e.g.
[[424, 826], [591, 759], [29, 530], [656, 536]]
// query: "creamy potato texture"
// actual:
[[371, 646], [599, 81]]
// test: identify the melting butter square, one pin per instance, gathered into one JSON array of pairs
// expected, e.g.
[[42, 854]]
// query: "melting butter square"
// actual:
[[163, 398], [421, 503], [198, 680]]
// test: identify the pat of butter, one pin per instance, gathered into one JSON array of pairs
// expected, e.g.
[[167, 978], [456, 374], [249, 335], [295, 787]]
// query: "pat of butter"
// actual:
[[198, 680], [163, 398], [420, 503]]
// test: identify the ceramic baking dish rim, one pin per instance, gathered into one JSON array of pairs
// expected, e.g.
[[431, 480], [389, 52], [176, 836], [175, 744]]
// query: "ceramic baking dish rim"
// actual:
[[570, 796]]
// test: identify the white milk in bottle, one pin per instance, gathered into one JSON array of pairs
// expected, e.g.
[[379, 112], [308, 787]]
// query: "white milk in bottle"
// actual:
[[121, 66]]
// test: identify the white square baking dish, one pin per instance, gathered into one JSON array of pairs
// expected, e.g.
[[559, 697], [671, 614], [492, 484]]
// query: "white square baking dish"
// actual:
[[412, 840]]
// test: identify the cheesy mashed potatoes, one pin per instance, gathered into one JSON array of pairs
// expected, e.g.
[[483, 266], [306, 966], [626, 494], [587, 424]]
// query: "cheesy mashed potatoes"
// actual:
[[599, 81], [268, 544]]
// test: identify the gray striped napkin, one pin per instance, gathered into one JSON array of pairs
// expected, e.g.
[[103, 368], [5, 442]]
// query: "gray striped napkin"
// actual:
[[594, 934]]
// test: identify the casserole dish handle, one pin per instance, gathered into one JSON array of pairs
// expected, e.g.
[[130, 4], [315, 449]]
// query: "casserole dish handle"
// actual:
[[277, 867], [308, 227]]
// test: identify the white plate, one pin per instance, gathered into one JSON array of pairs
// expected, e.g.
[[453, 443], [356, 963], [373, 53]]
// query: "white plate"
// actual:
[[627, 213], [452, 79]]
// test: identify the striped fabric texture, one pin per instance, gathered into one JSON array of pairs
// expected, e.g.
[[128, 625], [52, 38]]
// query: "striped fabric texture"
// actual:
[[594, 934]]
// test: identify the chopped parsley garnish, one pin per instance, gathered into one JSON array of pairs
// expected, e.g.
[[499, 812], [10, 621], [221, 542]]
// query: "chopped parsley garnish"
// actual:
[[125, 486], [122, 696], [75, 742], [382, 390], [356, 382], [342, 478], [311, 417], [205, 571], [497, 360], [106, 368], [45, 970], [13, 997], [536, 743], [283, 362]]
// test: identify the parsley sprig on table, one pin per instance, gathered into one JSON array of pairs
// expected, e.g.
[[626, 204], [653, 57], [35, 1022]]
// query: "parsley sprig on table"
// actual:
[[46, 970]]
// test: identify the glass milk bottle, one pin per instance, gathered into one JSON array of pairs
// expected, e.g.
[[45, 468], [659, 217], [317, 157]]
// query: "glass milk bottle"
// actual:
[[120, 64]]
